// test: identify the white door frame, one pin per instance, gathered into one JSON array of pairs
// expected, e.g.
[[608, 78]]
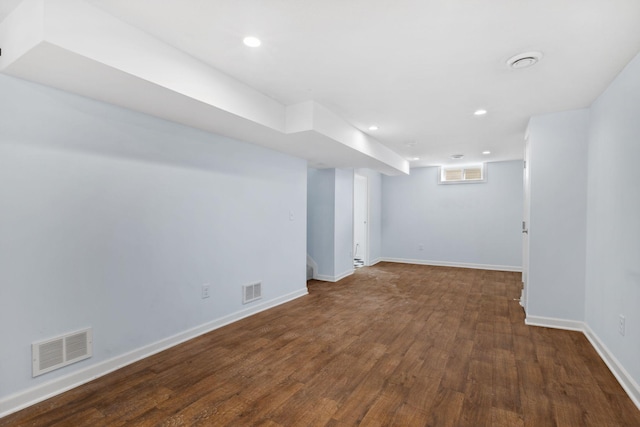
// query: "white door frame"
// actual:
[[364, 249], [526, 181]]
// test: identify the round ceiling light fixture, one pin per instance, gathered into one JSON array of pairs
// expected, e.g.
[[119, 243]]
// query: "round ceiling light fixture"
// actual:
[[524, 60], [457, 156], [486, 152], [251, 41], [374, 127], [480, 112]]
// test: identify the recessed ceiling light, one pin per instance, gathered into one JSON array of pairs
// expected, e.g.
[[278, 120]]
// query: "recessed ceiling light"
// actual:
[[251, 41], [524, 60], [486, 152], [374, 127], [457, 156], [413, 159], [480, 112]]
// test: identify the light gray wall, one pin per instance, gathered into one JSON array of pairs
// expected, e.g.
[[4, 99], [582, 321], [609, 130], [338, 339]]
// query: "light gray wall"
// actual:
[[558, 219], [375, 213], [344, 222], [321, 219], [360, 217], [330, 221], [456, 224], [613, 237], [114, 220]]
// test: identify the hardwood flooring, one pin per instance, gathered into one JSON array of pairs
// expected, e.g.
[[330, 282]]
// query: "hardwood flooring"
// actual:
[[392, 345]]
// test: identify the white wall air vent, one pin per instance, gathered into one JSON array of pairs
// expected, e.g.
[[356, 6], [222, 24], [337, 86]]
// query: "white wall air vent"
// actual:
[[473, 174], [251, 292], [453, 174], [61, 351], [462, 174]]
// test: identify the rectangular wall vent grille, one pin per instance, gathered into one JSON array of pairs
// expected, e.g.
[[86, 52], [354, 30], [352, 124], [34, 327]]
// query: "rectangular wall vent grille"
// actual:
[[462, 174], [60, 351], [452, 174], [251, 292], [473, 173]]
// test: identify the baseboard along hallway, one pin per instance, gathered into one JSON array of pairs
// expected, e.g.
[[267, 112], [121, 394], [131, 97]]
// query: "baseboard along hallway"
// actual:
[[392, 344]]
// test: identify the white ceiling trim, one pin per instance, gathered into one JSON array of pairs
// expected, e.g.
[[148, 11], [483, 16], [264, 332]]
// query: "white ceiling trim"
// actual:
[[71, 45]]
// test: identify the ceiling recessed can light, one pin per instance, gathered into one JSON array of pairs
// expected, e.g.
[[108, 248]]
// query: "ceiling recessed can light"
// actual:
[[524, 60], [480, 112], [457, 156], [374, 127], [251, 41], [413, 159], [486, 152]]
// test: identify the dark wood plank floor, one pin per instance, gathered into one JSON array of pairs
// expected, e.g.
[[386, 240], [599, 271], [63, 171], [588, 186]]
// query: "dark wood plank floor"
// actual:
[[394, 344]]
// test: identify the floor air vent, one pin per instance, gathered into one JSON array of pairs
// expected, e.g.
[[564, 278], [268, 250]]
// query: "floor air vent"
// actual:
[[61, 351], [251, 292]]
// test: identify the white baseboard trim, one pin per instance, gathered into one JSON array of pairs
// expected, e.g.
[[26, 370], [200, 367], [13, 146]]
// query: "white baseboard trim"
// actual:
[[336, 278], [313, 264], [619, 372], [31, 396], [550, 322], [514, 268], [626, 381], [344, 274], [374, 262]]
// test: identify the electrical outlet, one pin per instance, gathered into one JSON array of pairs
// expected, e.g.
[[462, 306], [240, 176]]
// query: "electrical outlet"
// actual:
[[205, 291], [420, 247], [621, 325]]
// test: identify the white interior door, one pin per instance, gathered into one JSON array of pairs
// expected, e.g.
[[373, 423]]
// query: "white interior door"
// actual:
[[361, 219], [525, 225]]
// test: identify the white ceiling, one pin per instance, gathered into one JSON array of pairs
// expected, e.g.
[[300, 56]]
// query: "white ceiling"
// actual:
[[417, 69], [6, 7]]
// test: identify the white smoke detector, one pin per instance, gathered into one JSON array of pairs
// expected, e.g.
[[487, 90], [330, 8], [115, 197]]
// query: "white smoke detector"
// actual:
[[524, 60]]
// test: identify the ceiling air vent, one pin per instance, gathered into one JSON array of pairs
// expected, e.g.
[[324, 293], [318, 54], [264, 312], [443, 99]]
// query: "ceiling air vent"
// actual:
[[524, 60], [60, 351]]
